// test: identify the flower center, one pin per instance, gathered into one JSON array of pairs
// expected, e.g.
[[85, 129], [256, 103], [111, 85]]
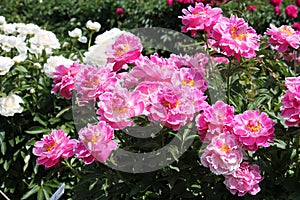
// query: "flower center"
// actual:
[[94, 139], [169, 105], [238, 34], [124, 49], [225, 148], [254, 126], [50, 145], [189, 82], [287, 30]]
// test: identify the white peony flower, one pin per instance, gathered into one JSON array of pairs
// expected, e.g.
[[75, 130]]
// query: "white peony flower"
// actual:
[[54, 61], [5, 64], [27, 29], [45, 39], [9, 28], [10, 105], [76, 33], [2, 20], [94, 26], [96, 53]]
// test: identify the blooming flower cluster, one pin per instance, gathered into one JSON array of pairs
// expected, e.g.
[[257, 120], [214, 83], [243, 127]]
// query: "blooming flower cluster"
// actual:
[[231, 36], [291, 102], [229, 136]]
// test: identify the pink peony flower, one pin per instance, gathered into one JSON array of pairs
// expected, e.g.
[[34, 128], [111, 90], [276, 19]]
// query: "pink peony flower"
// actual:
[[223, 155], [215, 120], [126, 49], [283, 37], [290, 109], [253, 129], [291, 11], [191, 78], [199, 18], [244, 180], [118, 107], [98, 140], [234, 37], [277, 10], [82, 152], [175, 106], [251, 8], [275, 2], [119, 11], [170, 2], [53, 147], [64, 79], [92, 81], [296, 26]]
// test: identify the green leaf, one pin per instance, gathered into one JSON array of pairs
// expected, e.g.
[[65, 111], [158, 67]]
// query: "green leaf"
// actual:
[[37, 130], [34, 190]]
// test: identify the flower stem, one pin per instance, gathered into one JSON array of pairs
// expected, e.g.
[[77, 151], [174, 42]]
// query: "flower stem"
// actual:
[[228, 82], [72, 169]]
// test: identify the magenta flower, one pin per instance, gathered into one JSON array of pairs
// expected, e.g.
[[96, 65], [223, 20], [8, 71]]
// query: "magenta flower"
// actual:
[[98, 140], [275, 2], [223, 155], [297, 2], [251, 8], [234, 37], [296, 26], [290, 108], [291, 11], [244, 180], [170, 2], [253, 129], [283, 37], [82, 152], [92, 81], [277, 10], [126, 49], [119, 11], [64, 79], [215, 120], [118, 107], [199, 18], [53, 147]]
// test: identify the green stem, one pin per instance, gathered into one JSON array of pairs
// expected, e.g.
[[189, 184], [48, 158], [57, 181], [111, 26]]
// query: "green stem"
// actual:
[[72, 169], [228, 82], [90, 39]]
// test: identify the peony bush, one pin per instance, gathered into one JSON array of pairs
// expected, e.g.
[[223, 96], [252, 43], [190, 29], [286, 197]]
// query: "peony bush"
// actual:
[[67, 107]]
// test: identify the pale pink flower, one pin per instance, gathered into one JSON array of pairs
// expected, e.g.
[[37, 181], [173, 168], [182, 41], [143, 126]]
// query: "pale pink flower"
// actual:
[[64, 79], [244, 180], [291, 11], [215, 120], [82, 153], [98, 140], [53, 147], [235, 38], [191, 78], [290, 109], [118, 107], [153, 69], [92, 81], [283, 37], [199, 18], [174, 106], [223, 155], [253, 129], [126, 49]]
